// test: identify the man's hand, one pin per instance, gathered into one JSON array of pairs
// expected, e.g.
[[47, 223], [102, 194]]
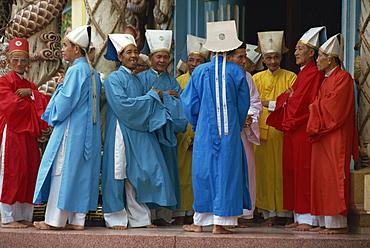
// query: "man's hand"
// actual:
[[265, 103], [248, 121], [60, 80], [23, 92], [310, 106], [290, 90], [160, 93], [173, 93]]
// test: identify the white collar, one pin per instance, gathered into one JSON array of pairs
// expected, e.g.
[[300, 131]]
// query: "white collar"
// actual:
[[275, 72], [127, 69]]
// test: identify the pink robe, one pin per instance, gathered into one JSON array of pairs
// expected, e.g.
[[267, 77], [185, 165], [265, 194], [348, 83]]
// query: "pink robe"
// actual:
[[251, 135]]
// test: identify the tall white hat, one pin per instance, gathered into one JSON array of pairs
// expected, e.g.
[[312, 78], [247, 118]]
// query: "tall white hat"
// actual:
[[254, 57], [81, 37], [314, 37], [334, 46], [159, 40], [116, 44], [195, 46], [271, 42], [222, 36], [145, 58]]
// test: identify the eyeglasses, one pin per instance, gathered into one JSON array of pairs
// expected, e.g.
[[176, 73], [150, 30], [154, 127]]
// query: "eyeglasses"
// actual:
[[23, 61]]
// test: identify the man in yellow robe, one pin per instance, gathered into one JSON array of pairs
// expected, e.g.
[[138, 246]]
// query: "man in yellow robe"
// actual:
[[268, 155], [196, 55]]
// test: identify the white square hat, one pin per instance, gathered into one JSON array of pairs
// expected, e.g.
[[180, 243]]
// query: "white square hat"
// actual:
[[314, 37], [222, 36], [253, 56], [334, 46], [159, 40], [195, 46], [271, 42], [116, 44], [81, 37]]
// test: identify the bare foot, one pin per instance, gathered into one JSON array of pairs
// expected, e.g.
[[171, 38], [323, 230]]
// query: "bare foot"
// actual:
[[217, 229], [302, 227], [317, 229], [118, 227], [43, 226], [192, 228], [334, 231], [161, 222], [269, 222], [179, 221], [150, 226], [74, 227], [27, 223], [295, 224], [13, 224], [229, 227]]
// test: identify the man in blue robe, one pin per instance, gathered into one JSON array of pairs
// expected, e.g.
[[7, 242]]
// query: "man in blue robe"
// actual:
[[216, 102], [159, 42], [134, 171], [68, 177]]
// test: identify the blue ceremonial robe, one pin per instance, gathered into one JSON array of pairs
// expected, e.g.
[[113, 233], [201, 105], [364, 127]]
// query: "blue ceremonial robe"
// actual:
[[140, 113], [220, 172], [165, 82], [72, 103]]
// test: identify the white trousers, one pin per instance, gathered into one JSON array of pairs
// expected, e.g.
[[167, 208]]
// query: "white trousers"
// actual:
[[162, 213], [55, 216], [135, 215], [206, 219], [306, 219], [333, 221], [273, 213]]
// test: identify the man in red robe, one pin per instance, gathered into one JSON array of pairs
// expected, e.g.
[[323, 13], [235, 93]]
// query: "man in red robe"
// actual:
[[332, 131], [21, 107], [291, 116]]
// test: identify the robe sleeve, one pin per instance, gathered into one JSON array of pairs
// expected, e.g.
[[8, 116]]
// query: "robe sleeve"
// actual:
[[21, 113], [142, 113], [66, 97], [175, 107], [296, 111], [328, 112], [191, 101], [255, 100], [243, 99]]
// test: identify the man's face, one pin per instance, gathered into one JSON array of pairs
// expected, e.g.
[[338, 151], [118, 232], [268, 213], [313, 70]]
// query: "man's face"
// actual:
[[193, 61], [141, 66], [272, 61], [159, 60], [323, 61], [239, 57], [18, 62], [303, 54], [69, 51], [129, 57]]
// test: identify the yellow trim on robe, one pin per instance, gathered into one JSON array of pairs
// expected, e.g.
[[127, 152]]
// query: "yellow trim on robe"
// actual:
[[185, 158], [268, 155]]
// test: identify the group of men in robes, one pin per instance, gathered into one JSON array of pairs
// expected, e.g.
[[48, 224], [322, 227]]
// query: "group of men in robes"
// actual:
[[151, 166]]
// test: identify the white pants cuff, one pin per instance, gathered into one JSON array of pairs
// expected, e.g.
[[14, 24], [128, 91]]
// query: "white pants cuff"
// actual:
[[116, 219], [206, 219], [16, 212]]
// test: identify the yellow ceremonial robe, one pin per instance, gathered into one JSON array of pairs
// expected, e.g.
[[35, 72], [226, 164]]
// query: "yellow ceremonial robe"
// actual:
[[268, 155], [185, 157]]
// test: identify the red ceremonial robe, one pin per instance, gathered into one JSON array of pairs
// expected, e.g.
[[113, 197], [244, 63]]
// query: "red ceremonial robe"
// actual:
[[332, 131], [291, 116], [22, 116]]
